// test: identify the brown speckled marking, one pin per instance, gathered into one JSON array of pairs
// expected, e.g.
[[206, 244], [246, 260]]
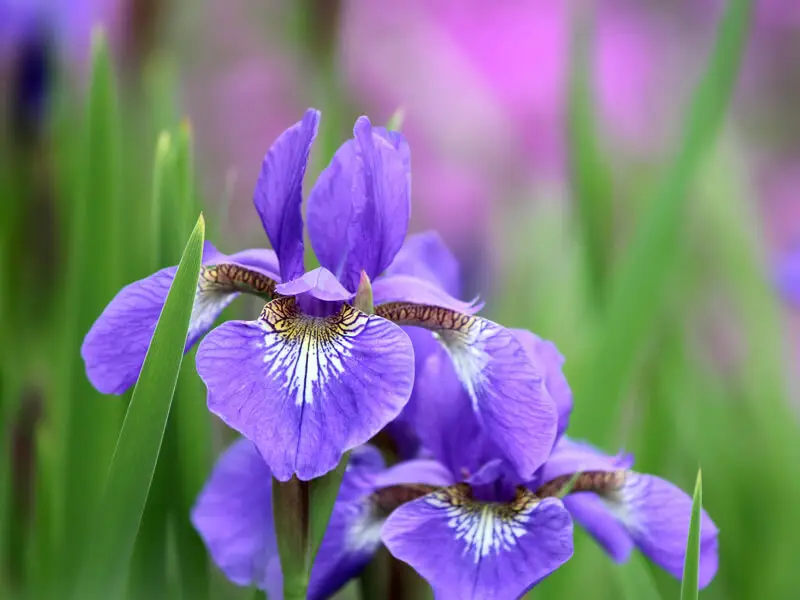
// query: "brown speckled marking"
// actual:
[[389, 498], [603, 483], [429, 317], [228, 277]]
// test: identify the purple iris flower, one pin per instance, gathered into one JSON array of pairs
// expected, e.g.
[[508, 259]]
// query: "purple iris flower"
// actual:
[[621, 508], [313, 376]]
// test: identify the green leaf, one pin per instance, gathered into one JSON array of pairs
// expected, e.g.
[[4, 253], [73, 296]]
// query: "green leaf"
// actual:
[[134, 460], [302, 511], [644, 276], [691, 566]]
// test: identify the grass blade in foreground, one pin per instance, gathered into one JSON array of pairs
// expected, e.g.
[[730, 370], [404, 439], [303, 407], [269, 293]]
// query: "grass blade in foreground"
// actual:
[[691, 567], [134, 461]]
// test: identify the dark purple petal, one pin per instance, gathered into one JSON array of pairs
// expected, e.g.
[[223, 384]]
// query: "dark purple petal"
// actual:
[[359, 208], [589, 511], [656, 513], [467, 549], [545, 354], [115, 347], [505, 388], [354, 531], [278, 195], [233, 515], [320, 283], [306, 389], [426, 256], [407, 288], [441, 413]]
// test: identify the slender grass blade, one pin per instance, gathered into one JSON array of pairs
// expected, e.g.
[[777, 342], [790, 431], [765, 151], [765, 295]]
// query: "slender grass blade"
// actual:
[[134, 460], [691, 566]]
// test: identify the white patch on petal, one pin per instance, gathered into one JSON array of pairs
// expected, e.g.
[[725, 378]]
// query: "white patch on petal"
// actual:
[[467, 350], [364, 532], [485, 528], [306, 352], [208, 304]]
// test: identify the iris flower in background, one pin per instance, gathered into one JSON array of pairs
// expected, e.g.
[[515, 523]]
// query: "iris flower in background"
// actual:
[[313, 376]]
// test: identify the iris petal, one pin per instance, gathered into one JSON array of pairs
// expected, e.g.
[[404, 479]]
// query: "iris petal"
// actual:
[[279, 192], [233, 515], [358, 210], [320, 283], [426, 256], [468, 549], [505, 388], [651, 512], [306, 389], [115, 347]]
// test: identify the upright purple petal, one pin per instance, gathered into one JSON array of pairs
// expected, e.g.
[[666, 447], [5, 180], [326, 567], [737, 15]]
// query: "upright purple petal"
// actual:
[[278, 196], [421, 470], [468, 549], [550, 360], [115, 347], [359, 208], [426, 256], [233, 515], [505, 387], [306, 389]]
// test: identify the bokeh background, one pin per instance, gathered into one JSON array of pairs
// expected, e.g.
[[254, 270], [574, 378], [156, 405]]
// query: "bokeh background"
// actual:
[[603, 180]]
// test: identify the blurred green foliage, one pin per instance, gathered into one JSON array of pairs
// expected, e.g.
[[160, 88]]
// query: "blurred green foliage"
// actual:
[[637, 314]]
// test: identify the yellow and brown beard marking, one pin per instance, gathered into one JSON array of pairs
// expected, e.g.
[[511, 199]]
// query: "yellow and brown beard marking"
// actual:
[[283, 316], [233, 278], [460, 496], [434, 318], [603, 483]]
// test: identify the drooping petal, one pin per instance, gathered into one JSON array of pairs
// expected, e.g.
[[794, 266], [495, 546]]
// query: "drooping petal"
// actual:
[[545, 353], [407, 288], [359, 208], [505, 388], [653, 513], [115, 347], [320, 283], [233, 515], [306, 389], [468, 549], [588, 510], [278, 195], [426, 256], [656, 514]]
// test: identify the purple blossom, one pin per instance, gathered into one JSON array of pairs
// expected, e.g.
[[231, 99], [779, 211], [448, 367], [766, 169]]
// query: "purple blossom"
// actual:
[[313, 377]]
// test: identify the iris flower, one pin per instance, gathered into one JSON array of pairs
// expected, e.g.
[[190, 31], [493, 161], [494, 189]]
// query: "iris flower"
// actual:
[[621, 508], [313, 376]]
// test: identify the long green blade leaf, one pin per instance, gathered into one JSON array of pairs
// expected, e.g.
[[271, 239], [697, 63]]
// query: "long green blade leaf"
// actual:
[[691, 566], [139, 442]]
